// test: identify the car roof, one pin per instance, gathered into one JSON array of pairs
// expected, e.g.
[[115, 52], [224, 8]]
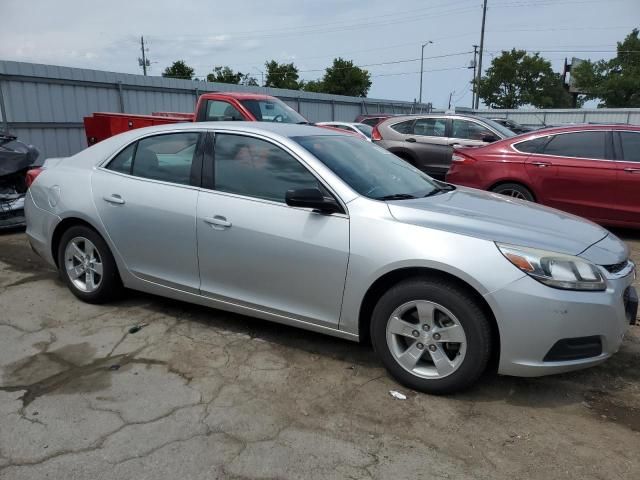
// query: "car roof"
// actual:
[[238, 95], [336, 122], [282, 129], [402, 118], [583, 126]]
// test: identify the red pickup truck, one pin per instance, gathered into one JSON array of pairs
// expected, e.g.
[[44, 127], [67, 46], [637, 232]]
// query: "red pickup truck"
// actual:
[[227, 106]]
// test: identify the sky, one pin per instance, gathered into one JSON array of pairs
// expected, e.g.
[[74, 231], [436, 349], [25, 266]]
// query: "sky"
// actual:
[[383, 36]]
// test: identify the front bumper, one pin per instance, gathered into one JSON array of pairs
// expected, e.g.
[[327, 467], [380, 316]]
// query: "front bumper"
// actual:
[[533, 317]]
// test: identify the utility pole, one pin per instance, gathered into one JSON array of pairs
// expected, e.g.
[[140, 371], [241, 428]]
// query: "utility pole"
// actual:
[[473, 81], [143, 61], [422, 68], [479, 72]]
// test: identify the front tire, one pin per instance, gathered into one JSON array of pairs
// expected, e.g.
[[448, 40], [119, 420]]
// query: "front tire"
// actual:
[[87, 266], [431, 335], [514, 190]]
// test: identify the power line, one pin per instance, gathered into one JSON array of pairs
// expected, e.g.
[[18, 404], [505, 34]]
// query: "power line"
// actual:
[[374, 74], [331, 29]]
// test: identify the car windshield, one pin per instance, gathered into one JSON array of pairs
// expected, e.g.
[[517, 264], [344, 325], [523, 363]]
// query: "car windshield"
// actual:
[[368, 169], [504, 131], [366, 129], [273, 110]]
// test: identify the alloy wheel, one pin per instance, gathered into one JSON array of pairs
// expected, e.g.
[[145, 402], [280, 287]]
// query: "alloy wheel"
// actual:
[[512, 193], [83, 264], [426, 339]]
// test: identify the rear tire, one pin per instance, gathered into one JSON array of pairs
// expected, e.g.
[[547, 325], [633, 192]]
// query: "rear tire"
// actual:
[[410, 326], [87, 266], [514, 190]]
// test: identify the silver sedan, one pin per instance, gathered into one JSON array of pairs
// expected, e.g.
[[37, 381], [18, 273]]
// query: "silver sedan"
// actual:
[[317, 229]]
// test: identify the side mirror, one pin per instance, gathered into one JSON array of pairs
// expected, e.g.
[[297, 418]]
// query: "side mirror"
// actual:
[[311, 198], [490, 138]]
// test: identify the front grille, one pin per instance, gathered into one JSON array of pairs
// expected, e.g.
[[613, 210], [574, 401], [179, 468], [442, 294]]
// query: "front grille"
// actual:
[[616, 268], [574, 349]]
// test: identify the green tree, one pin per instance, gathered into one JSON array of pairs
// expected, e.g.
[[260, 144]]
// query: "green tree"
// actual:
[[344, 78], [516, 78], [615, 82], [312, 86], [282, 75], [227, 75], [179, 69]]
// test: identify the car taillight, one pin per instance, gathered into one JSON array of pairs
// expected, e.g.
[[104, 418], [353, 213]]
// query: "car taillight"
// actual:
[[459, 158], [375, 135], [31, 175]]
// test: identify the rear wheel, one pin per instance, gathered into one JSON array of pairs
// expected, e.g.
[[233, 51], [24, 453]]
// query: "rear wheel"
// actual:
[[87, 266], [431, 335], [514, 190]]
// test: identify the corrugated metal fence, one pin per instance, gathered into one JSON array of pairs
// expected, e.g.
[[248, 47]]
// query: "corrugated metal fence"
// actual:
[[562, 116], [44, 105]]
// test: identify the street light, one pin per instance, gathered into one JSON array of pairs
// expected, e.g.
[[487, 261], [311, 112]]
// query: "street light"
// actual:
[[422, 67], [261, 73]]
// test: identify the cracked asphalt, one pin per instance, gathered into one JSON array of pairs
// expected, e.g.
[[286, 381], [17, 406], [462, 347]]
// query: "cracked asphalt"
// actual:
[[203, 394]]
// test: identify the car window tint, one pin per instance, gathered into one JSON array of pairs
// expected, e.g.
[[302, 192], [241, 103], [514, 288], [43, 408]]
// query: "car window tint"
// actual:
[[531, 146], [256, 168], [371, 121], [432, 127], [405, 128], [469, 130], [222, 111], [366, 129], [578, 144], [630, 146], [166, 157], [122, 162]]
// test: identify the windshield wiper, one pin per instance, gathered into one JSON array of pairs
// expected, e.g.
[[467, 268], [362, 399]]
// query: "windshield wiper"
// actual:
[[442, 187], [435, 191], [397, 196]]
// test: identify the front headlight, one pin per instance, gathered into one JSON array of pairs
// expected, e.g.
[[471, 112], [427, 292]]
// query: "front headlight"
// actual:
[[555, 269]]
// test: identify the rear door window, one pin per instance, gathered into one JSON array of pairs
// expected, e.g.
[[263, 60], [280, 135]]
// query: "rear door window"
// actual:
[[578, 145], [123, 161], [630, 146], [405, 128], [531, 146], [430, 127]]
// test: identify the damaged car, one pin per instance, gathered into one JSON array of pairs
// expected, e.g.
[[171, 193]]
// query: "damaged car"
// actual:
[[16, 159]]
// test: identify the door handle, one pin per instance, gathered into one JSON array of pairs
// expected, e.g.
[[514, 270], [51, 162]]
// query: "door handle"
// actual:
[[452, 143], [114, 198], [541, 164], [410, 140], [217, 221], [632, 170]]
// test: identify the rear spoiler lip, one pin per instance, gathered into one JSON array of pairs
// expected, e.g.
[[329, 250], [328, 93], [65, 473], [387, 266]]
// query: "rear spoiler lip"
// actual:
[[51, 162]]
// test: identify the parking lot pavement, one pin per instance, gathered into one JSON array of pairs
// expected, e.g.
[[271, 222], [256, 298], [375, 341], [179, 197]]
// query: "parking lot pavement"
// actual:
[[200, 393]]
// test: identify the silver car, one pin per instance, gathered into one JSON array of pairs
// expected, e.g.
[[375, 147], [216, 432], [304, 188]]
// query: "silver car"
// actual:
[[362, 130], [317, 229]]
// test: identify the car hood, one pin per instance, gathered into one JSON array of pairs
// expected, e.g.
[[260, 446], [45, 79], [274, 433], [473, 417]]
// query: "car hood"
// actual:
[[503, 219]]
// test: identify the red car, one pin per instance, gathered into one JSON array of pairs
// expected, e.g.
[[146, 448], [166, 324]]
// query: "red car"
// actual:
[[588, 170]]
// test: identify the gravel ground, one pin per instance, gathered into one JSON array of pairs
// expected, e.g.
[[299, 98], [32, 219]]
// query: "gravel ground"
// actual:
[[200, 393]]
